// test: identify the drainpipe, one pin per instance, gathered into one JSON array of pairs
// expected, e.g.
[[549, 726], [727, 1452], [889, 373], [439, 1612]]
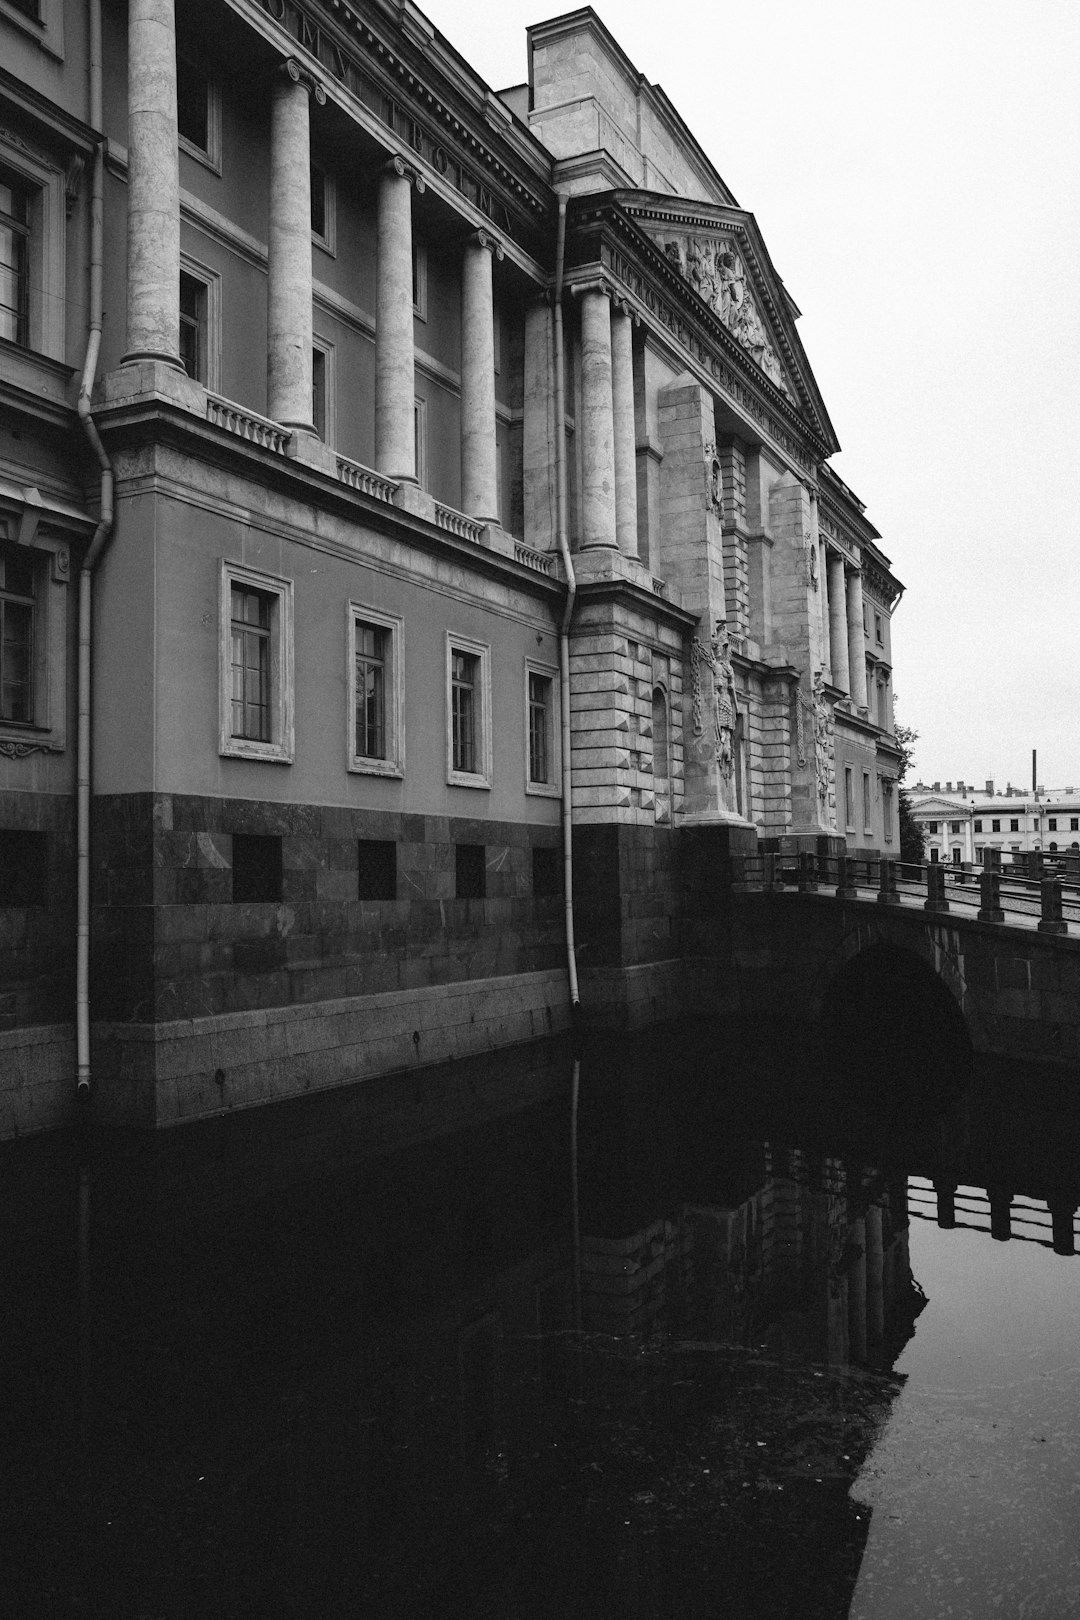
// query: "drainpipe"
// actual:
[[568, 611], [97, 545]]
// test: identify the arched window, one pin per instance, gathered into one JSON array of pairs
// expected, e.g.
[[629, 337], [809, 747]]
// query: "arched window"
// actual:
[[661, 754]]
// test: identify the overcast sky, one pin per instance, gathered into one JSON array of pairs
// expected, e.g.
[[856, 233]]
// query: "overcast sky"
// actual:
[[914, 169]]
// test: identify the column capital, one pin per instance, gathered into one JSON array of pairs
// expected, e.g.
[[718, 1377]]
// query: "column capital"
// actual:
[[595, 284], [297, 73], [486, 239], [404, 171]]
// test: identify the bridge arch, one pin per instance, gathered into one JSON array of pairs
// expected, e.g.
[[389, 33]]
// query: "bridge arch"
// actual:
[[893, 1011]]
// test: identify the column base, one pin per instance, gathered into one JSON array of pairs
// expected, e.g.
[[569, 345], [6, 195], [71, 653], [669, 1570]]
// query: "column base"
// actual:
[[154, 378], [306, 447], [411, 498]]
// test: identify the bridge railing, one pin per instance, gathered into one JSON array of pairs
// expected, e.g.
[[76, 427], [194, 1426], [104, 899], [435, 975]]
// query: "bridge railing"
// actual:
[[1045, 893]]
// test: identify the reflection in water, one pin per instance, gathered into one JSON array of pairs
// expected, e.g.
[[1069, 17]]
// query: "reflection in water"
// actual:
[[518, 1338]]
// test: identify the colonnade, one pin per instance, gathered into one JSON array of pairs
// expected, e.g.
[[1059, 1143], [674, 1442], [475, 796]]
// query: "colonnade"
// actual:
[[846, 637], [153, 260], [608, 441]]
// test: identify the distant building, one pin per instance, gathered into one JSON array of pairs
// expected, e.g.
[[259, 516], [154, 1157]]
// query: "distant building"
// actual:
[[308, 536], [958, 826]]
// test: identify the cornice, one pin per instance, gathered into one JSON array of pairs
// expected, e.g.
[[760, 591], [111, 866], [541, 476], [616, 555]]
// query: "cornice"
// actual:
[[627, 256], [451, 127], [46, 115], [133, 426]]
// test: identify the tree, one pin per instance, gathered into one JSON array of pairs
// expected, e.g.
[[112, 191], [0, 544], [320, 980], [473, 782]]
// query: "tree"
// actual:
[[912, 846]]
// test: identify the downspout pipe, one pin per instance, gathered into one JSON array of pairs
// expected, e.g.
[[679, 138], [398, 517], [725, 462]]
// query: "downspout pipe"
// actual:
[[568, 613], [94, 550]]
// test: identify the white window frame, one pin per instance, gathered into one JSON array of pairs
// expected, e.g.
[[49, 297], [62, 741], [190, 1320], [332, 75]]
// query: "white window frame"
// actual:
[[482, 651], [211, 280], [552, 789], [47, 237], [47, 727], [324, 347], [281, 747], [419, 258], [328, 240], [394, 763], [210, 155], [868, 802], [849, 798]]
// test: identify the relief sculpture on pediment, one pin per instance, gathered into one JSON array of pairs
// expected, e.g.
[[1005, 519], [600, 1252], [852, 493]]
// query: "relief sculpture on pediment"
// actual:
[[714, 268]]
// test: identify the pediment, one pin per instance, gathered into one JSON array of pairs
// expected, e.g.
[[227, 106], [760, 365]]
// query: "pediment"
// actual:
[[720, 253], [944, 809]]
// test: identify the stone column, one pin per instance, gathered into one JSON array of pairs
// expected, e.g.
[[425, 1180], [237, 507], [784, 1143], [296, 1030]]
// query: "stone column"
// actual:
[[539, 469], [838, 648], [597, 432], [153, 203], [856, 638], [288, 293], [624, 429], [395, 441], [479, 482]]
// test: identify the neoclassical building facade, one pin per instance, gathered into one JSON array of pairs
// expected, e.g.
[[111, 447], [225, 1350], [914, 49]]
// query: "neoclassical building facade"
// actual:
[[420, 566]]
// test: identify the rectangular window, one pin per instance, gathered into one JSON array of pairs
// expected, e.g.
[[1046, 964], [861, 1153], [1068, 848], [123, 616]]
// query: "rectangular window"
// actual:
[[1052, 824], [14, 259], [978, 826], [954, 826], [883, 705], [879, 635], [546, 871], [995, 826], [318, 390], [849, 798], [867, 803], [18, 595], [256, 653], [376, 869], [1014, 825], [420, 440], [198, 109], [1074, 824], [468, 707], [251, 612], [193, 301], [540, 730], [23, 868], [419, 279], [256, 868], [375, 674], [469, 871], [931, 826]]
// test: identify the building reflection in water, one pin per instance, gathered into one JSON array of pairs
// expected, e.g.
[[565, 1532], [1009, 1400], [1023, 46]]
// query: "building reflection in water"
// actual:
[[325, 1359]]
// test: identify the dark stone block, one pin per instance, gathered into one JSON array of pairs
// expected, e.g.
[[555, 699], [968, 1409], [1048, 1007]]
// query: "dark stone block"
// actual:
[[259, 955]]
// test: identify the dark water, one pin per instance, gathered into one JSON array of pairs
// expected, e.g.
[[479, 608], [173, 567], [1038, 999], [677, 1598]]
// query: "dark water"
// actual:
[[405, 1352]]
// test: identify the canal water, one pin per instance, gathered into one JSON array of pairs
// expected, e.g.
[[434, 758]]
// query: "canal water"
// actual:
[[674, 1330]]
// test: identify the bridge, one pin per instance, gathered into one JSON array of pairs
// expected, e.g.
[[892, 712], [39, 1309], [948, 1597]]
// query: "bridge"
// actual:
[[893, 964]]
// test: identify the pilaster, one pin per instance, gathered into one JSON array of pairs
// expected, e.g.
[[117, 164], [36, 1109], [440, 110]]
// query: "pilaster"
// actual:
[[856, 636], [624, 429], [797, 636]]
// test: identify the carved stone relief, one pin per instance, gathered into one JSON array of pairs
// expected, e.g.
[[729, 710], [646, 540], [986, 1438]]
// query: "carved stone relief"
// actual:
[[715, 270]]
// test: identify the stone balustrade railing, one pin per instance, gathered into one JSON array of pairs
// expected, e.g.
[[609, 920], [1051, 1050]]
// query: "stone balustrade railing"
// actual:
[[541, 561], [366, 481], [247, 425], [466, 528]]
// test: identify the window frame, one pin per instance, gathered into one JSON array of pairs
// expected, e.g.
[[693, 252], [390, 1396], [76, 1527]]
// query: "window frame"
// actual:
[[419, 272], [849, 798], [887, 809], [46, 286], [420, 439], [480, 650], [211, 282], [327, 240], [394, 719], [553, 788], [868, 802], [47, 29], [210, 155], [46, 729], [323, 346], [280, 748]]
